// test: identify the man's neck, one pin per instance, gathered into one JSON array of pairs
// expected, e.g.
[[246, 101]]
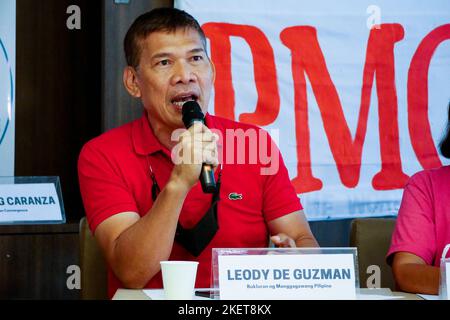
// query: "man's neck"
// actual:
[[163, 134]]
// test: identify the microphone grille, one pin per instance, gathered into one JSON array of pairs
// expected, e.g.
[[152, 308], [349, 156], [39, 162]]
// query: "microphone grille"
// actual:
[[191, 112]]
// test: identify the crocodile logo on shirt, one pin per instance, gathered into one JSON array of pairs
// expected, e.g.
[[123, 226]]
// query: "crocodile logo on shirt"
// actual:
[[235, 196]]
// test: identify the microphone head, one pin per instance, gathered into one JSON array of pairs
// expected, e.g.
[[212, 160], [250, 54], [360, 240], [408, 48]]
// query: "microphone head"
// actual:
[[191, 112]]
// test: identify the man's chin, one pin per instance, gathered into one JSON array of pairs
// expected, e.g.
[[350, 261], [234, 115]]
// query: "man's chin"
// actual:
[[177, 122]]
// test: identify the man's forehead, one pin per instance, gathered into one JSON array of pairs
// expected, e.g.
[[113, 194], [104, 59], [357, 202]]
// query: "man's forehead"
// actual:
[[167, 36], [166, 43]]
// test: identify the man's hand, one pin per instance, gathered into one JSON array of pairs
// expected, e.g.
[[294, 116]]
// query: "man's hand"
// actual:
[[291, 231], [197, 145], [281, 240]]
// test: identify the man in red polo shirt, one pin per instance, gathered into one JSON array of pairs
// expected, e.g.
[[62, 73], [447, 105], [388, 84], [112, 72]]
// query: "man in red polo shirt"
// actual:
[[138, 193]]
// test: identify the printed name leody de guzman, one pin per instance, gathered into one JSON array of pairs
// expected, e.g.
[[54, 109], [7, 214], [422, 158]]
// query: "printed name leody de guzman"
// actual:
[[284, 274]]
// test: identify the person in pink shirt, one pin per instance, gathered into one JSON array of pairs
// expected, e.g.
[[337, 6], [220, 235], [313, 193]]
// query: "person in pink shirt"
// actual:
[[423, 228]]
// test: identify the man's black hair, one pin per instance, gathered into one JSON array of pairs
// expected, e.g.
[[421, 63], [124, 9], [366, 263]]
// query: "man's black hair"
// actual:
[[160, 19]]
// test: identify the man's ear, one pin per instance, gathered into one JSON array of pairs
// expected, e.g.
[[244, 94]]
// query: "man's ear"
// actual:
[[213, 67], [130, 82]]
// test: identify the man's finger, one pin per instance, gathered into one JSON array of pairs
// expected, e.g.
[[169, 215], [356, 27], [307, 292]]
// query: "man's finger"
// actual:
[[282, 240], [198, 127]]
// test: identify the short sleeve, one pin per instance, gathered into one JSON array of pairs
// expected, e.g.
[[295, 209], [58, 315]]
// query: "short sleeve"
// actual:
[[103, 190], [415, 227], [279, 196]]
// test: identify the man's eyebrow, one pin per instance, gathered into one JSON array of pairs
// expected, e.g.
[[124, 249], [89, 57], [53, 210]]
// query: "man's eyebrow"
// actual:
[[197, 50], [161, 55], [167, 54]]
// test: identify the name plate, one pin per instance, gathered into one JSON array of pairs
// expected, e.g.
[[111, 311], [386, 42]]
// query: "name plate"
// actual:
[[447, 273], [30, 203], [444, 285], [278, 276]]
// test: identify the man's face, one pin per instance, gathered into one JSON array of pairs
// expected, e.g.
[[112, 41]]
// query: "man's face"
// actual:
[[173, 69]]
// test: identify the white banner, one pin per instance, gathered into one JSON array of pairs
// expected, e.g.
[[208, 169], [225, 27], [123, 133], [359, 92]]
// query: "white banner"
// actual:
[[358, 90], [7, 85]]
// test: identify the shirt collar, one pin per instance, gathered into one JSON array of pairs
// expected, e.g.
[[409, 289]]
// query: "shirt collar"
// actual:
[[144, 139]]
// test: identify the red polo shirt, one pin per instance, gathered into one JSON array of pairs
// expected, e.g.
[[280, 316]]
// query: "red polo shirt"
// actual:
[[114, 177]]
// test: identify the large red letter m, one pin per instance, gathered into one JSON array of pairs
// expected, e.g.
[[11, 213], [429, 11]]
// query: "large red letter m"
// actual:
[[307, 58]]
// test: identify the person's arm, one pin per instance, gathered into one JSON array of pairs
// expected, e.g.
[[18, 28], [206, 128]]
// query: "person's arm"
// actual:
[[412, 274], [292, 230], [133, 245], [413, 245]]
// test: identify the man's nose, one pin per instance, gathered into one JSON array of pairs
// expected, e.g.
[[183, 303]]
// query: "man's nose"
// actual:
[[183, 73]]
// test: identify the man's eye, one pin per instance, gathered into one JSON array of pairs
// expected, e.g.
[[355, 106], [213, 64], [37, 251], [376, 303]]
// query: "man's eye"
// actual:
[[197, 58], [164, 62]]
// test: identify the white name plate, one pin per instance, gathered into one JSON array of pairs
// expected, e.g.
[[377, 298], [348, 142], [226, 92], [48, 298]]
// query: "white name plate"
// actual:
[[29, 203], [447, 275], [287, 277], [444, 285]]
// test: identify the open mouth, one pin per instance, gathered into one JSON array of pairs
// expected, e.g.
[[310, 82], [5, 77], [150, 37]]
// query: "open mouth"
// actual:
[[181, 99]]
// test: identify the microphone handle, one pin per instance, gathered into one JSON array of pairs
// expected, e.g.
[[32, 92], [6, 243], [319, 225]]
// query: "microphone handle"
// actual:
[[207, 179]]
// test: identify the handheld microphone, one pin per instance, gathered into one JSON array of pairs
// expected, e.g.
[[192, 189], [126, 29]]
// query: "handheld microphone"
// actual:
[[192, 113]]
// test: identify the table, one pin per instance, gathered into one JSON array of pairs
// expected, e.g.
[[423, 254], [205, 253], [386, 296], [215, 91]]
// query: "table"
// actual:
[[131, 294], [34, 261]]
